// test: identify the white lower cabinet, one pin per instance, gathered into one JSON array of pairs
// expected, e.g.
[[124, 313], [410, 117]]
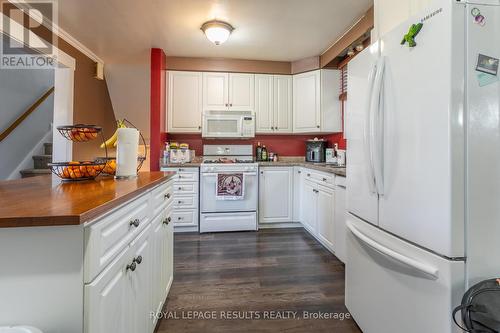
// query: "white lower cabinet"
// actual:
[[136, 282], [163, 250], [308, 198], [297, 187], [141, 278], [276, 194], [107, 299], [340, 220], [186, 198], [318, 213], [325, 207], [320, 198]]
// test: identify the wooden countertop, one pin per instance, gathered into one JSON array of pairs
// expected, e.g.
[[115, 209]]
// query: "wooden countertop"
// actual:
[[46, 201]]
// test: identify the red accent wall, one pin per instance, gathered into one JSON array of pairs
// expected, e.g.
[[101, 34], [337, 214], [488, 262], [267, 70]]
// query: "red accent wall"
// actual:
[[284, 145], [158, 106]]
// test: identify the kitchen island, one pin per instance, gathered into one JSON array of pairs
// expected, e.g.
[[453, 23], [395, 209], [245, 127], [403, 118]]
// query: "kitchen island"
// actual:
[[91, 256]]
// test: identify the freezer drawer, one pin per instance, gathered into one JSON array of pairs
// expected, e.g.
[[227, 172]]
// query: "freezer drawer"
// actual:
[[393, 286], [215, 222]]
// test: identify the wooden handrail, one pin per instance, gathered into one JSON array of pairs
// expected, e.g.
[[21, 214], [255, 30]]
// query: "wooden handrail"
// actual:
[[25, 115]]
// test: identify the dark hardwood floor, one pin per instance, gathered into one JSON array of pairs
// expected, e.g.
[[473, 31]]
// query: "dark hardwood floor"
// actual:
[[250, 274]]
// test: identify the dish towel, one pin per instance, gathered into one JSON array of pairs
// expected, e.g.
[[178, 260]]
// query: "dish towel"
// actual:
[[230, 186]]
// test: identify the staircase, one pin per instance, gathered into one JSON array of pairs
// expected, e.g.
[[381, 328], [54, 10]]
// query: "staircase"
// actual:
[[40, 163]]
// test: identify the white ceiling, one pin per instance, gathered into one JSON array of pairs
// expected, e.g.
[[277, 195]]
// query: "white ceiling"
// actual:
[[123, 31]]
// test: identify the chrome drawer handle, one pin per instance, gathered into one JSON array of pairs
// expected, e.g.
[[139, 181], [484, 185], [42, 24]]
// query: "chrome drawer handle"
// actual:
[[132, 266], [324, 179], [179, 218], [135, 223], [167, 220], [167, 196], [179, 188], [179, 202]]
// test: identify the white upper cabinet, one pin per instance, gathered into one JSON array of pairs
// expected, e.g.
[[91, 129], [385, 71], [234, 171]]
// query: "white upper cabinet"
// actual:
[[306, 102], [241, 92], [316, 106], [264, 109], [282, 101], [215, 91], [273, 103], [228, 91], [185, 93]]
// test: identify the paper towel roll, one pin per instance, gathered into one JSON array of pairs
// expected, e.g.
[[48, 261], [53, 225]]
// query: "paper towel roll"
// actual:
[[126, 152]]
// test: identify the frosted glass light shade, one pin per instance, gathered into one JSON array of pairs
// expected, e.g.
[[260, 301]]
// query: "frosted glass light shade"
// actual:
[[217, 31]]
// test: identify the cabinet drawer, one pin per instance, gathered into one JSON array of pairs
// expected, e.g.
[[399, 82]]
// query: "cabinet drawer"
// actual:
[[185, 188], [340, 181], [185, 174], [185, 202], [161, 197], [320, 177], [107, 237], [185, 217]]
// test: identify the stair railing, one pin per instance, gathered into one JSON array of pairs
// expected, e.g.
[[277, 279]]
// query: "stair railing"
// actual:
[[25, 115]]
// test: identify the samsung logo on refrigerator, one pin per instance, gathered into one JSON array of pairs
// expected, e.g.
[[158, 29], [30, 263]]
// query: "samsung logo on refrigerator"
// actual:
[[431, 15]]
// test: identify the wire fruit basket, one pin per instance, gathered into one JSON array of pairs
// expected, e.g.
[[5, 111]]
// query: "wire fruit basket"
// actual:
[[78, 170], [80, 132], [85, 170]]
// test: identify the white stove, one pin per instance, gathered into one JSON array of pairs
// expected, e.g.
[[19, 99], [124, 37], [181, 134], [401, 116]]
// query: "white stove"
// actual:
[[217, 215]]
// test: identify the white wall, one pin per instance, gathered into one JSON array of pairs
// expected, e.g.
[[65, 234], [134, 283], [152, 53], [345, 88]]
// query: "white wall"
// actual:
[[19, 89], [128, 86], [390, 13]]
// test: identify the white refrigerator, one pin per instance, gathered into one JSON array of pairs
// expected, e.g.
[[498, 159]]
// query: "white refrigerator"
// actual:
[[423, 178]]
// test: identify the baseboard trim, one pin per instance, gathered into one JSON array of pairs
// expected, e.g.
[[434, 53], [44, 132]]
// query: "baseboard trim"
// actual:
[[280, 225], [185, 229]]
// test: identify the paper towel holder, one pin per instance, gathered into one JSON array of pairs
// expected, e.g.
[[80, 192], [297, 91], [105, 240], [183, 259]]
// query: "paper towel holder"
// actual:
[[140, 159]]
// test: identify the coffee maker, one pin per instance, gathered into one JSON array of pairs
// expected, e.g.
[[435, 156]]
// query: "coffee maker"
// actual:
[[315, 151]]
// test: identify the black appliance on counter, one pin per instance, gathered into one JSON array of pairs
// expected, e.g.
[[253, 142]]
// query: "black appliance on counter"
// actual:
[[316, 151]]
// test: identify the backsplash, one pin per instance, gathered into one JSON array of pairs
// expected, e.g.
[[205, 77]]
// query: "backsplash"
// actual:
[[283, 145]]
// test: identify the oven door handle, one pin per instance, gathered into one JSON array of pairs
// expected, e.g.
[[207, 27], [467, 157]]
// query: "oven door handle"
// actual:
[[213, 174]]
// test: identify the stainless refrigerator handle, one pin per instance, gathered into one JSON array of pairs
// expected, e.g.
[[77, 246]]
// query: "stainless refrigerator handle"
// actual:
[[377, 127], [390, 253], [367, 133]]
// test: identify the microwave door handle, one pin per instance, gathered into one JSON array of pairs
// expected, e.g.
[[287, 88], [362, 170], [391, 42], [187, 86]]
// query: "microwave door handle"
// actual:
[[241, 126]]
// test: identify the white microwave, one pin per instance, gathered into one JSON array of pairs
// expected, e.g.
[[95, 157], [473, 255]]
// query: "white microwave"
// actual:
[[228, 124]]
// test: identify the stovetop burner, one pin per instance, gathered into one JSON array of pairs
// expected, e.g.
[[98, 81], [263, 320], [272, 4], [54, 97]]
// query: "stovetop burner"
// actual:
[[225, 160]]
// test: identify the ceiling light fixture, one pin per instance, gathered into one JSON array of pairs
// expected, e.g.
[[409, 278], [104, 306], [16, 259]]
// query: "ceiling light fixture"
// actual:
[[217, 31]]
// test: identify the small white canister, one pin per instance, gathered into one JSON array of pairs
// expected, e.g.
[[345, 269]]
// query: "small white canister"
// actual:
[[127, 152]]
